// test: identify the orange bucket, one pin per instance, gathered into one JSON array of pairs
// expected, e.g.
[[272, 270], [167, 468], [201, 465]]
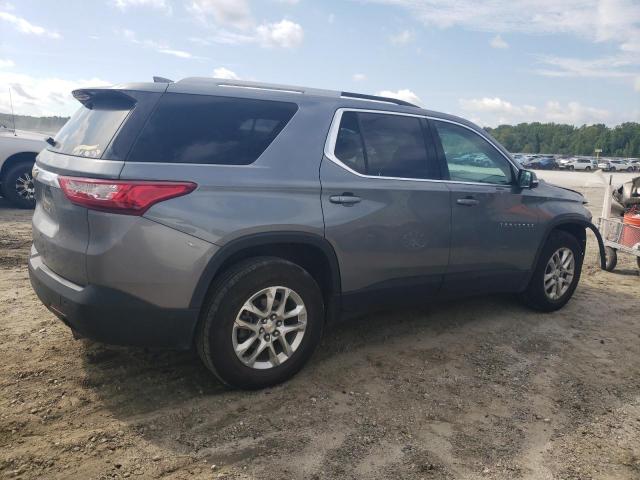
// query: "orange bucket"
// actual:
[[631, 230]]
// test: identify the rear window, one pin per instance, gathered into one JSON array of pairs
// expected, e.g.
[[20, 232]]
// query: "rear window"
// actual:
[[89, 131], [212, 130]]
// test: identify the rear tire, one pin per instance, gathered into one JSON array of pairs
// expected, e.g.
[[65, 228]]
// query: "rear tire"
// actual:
[[588, 169], [611, 259], [226, 323], [536, 295], [17, 185]]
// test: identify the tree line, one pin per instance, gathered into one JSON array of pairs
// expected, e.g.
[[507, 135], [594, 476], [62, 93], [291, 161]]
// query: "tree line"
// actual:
[[48, 125], [620, 141]]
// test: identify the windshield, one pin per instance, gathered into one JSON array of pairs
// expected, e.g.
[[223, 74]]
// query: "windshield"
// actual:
[[89, 131]]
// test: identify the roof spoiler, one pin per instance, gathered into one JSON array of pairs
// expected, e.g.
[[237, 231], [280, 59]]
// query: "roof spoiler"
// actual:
[[88, 96]]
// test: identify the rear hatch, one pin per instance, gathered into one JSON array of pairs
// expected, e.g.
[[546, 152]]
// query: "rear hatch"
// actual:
[[93, 143]]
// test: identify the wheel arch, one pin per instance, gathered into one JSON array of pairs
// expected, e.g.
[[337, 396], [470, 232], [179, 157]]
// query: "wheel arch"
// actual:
[[576, 226], [16, 158], [312, 252]]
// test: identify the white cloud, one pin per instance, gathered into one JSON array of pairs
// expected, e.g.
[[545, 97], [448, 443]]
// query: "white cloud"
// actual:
[[6, 63], [233, 13], [157, 4], [637, 84], [285, 33], [26, 27], [42, 95], [222, 72], [575, 113], [159, 47], [402, 94], [598, 20], [175, 53], [498, 42], [401, 38], [359, 77], [619, 65], [495, 111]]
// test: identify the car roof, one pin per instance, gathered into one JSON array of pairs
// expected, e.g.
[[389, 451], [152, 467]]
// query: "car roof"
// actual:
[[281, 92], [291, 93]]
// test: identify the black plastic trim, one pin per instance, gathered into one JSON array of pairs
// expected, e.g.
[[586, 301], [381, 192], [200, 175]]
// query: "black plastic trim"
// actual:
[[114, 317], [265, 239], [570, 219]]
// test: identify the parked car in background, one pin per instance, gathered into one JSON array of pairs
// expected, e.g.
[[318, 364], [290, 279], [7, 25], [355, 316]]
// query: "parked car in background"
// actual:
[[615, 165], [576, 163], [604, 164], [18, 150], [200, 214], [542, 163], [635, 163]]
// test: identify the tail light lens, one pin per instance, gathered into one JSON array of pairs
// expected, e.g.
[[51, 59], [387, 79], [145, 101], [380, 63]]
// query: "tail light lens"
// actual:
[[128, 197]]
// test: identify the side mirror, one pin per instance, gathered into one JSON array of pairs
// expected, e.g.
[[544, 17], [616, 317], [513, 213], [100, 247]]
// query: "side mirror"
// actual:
[[527, 179]]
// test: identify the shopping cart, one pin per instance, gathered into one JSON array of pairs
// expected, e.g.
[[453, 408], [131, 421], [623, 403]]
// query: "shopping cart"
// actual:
[[619, 236], [619, 223]]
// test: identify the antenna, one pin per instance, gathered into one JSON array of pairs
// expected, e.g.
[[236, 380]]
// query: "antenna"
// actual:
[[13, 115]]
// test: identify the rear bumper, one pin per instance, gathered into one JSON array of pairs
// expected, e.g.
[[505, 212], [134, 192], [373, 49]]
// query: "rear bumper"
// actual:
[[111, 316]]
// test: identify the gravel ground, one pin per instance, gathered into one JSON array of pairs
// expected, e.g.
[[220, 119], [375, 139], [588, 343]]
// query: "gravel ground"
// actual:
[[473, 389]]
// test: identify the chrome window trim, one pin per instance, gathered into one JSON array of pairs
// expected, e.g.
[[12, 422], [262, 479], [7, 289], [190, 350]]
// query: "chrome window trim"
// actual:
[[332, 137]]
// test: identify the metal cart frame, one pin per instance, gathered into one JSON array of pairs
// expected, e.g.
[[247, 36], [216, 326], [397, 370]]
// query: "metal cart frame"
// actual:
[[612, 230]]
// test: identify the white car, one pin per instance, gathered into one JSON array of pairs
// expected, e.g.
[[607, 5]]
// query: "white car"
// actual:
[[620, 165], [576, 163], [18, 150]]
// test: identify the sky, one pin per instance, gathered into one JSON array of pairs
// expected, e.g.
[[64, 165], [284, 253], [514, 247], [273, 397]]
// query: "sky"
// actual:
[[491, 61]]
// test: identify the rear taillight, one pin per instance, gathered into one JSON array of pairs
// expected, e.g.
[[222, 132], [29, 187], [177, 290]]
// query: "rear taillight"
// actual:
[[128, 197]]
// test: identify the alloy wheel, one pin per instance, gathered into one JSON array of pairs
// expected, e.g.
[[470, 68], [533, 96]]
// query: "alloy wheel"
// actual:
[[269, 327], [25, 186], [559, 273]]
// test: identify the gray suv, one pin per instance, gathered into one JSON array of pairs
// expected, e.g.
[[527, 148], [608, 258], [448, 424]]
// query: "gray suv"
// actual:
[[240, 217]]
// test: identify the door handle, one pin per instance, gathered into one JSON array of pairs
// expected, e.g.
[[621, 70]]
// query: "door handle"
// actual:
[[346, 199], [467, 201]]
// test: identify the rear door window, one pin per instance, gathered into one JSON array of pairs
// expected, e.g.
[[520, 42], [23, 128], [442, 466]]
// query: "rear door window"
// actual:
[[207, 129], [384, 145], [90, 130]]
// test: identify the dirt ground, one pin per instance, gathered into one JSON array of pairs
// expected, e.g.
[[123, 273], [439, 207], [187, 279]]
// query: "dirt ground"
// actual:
[[480, 388]]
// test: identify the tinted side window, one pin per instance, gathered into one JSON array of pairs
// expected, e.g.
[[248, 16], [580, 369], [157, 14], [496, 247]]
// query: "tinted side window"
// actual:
[[349, 148], [207, 129], [470, 157], [384, 145]]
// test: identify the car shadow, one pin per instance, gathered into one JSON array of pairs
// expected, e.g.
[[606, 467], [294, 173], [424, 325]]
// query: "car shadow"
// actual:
[[487, 343]]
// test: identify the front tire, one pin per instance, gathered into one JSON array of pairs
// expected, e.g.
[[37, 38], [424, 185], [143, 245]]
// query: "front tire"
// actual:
[[262, 322], [17, 185], [556, 275]]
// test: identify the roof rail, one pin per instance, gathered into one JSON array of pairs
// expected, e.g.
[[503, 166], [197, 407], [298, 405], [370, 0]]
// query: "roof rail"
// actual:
[[376, 98], [161, 80]]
